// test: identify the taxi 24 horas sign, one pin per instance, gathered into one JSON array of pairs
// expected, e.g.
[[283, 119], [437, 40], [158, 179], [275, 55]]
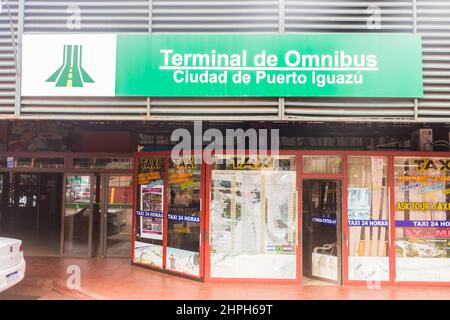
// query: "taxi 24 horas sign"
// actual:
[[225, 65]]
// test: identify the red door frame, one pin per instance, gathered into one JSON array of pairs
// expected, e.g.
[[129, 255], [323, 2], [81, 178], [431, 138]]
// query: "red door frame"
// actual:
[[205, 206], [136, 158], [328, 176], [412, 154], [390, 155], [165, 155]]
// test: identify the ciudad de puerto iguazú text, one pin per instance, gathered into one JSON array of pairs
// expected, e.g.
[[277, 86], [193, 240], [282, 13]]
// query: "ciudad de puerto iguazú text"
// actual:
[[335, 68]]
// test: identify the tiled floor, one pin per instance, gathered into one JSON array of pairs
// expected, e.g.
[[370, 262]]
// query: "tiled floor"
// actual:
[[117, 279]]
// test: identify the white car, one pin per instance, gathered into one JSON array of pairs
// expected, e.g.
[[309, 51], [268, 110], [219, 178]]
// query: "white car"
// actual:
[[12, 263]]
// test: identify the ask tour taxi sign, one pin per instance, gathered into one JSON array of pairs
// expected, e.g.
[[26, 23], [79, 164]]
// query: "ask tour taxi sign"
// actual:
[[225, 65]]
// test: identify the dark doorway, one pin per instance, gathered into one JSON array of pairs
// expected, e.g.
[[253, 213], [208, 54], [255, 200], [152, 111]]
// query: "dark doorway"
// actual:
[[321, 229], [30, 210]]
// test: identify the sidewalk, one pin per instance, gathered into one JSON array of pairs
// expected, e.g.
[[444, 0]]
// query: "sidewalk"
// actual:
[[116, 278]]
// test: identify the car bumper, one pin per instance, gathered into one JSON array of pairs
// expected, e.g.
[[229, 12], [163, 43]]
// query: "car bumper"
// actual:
[[20, 268]]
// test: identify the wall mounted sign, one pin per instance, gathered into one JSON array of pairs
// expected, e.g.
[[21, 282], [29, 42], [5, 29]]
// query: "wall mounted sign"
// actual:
[[225, 65]]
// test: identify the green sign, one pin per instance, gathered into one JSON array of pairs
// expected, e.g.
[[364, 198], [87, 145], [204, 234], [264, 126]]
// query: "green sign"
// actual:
[[222, 65], [291, 65]]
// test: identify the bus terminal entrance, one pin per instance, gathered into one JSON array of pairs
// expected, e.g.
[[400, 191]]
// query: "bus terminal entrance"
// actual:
[[59, 210], [30, 210], [97, 215]]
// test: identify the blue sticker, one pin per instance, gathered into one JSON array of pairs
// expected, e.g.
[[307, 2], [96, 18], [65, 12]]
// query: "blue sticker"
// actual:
[[368, 223], [149, 214]]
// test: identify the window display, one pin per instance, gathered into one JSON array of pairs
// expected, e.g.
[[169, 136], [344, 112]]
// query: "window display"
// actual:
[[251, 225], [368, 219], [148, 246], [422, 219], [183, 239], [77, 214], [322, 164], [102, 163], [253, 218], [119, 215]]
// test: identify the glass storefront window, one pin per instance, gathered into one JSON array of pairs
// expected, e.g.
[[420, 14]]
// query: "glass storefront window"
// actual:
[[322, 164], [102, 163], [183, 238], [49, 163], [3, 162], [148, 247], [119, 215], [253, 218], [28, 162], [422, 219], [368, 219], [77, 215], [16, 162]]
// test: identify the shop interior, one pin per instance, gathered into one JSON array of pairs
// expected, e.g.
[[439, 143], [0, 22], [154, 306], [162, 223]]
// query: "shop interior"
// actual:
[[321, 209], [31, 210]]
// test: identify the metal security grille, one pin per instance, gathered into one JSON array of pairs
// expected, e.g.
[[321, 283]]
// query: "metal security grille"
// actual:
[[350, 17], [209, 16], [433, 23], [431, 19], [95, 16], [8, 35]]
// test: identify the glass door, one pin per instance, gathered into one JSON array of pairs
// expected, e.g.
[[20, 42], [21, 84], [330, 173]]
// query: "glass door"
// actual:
[[116, 215], [150, 207], [3, 201], [77, 219], [184, 217], [168, 220], [24, 207], [321, 206]]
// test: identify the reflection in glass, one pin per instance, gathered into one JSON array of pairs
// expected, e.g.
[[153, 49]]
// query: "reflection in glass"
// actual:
[[322, 164], [321, 214], [102, 163], [119, 216], [253, 220], [148, 245], [77, 215], [422, 219], [183, 239], [368, 219]]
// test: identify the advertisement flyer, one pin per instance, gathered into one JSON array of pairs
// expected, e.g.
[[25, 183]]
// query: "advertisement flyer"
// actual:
[[152, 202], [324, 266], [152, 198], [422, 209], [183, 261], [148, 254], [151, 228], [422, 248], [358, 204]]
